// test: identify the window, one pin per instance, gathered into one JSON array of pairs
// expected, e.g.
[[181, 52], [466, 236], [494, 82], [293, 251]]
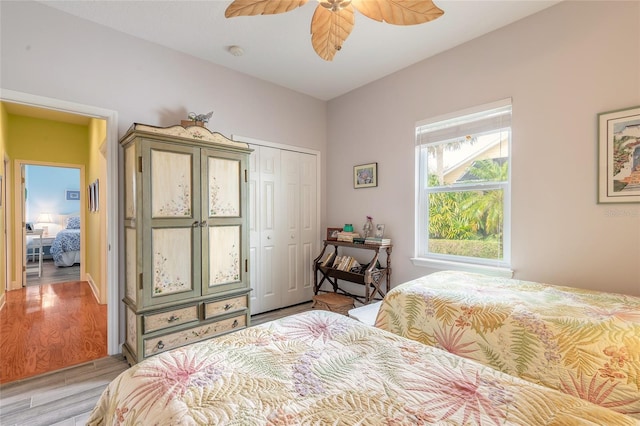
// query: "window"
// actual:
[[463, 188]]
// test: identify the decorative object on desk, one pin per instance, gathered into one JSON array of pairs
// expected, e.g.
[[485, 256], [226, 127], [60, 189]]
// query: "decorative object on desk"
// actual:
[[45, 219], [332, 234], [379, 230], [367, 227], [348, 227], [365, 175], [619, 156], [29, 226], [72, 195], [196, 119]]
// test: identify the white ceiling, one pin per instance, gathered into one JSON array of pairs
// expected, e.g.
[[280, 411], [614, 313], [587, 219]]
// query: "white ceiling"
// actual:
[[277, 48]]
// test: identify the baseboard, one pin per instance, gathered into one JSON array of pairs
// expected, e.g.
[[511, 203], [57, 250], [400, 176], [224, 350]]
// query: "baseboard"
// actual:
[[2, 300], [94, 288]]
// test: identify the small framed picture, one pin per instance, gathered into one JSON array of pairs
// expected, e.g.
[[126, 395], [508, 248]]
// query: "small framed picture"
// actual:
[[379, 230], [365, 175], [332, 234], [71, 195]]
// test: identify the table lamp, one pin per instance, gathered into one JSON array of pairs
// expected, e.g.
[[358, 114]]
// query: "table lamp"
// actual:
[[44, 218]]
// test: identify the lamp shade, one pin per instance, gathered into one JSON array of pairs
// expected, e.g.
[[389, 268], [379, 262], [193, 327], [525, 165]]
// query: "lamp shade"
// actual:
[[44, 218]]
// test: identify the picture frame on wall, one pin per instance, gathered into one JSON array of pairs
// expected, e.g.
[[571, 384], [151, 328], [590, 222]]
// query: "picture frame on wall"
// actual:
[[365, 175], [332, 234], [619, 156], [72, 195]]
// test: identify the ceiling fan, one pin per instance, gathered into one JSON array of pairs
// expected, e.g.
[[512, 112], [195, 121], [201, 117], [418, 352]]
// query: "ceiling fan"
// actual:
[[333, 20]]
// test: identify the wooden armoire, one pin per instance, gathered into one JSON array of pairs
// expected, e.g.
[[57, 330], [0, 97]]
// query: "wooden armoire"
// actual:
[[186, 237]]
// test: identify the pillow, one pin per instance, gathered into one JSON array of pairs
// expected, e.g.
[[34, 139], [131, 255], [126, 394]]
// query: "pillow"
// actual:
[[73, 222]]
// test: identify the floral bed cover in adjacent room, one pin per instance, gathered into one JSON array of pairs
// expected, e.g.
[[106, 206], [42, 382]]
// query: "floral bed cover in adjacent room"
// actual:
[[584, 343], [322, 368], [66, 240]]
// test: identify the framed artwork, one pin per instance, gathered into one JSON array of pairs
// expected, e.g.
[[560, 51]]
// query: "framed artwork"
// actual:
[[96, 195], [365, 175], [72, 195], [619, 156], [332, 234], [379, 230]]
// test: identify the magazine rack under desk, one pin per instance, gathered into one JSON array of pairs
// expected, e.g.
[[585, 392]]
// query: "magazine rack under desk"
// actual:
[[372, 278]]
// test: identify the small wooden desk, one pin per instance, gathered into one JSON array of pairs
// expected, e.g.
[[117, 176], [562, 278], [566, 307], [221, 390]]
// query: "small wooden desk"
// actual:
[[35, 244]]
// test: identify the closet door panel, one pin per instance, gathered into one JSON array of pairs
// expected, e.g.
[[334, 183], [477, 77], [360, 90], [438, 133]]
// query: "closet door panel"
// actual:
[[270, 275], [254, 229], [309, 235]]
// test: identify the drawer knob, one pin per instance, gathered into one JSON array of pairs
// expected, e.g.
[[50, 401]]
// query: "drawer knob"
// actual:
[[173, 318], [228, 306], [235, 324], [160, 345]]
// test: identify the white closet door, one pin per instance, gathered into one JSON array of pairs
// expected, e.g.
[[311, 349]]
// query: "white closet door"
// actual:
[[298, 225], [266, 283]]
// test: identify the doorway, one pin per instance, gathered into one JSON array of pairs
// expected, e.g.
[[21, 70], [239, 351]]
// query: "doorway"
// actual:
[[110, 222], [51, 207]]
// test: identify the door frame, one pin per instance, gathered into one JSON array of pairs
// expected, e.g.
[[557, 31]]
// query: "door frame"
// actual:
[[20, 243], [112, 213]]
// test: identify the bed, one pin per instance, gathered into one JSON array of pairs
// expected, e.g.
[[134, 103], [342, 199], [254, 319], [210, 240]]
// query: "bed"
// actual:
[[583, 343], [65, 248], [322, 368]]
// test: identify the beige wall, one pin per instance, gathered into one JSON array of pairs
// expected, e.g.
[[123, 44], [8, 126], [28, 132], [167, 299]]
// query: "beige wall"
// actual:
[[561, 67]]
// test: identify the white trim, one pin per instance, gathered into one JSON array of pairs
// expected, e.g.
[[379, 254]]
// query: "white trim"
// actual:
[[253, 141], [111, 117], [445, 265], [467, 111]]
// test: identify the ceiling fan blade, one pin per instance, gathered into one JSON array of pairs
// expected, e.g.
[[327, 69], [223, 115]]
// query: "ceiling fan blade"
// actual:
[[399, 12], [261, 7], [330, 29]]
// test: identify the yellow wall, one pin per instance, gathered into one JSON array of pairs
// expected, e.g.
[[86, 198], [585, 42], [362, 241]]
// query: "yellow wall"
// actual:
[[96, 253], [40, 140], [3, 138]]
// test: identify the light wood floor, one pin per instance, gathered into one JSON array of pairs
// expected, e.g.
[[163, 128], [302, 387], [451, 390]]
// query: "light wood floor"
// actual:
[[53, 274], [66, 398]]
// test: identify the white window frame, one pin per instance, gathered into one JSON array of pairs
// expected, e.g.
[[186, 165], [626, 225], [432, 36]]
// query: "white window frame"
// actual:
[[499, 267]]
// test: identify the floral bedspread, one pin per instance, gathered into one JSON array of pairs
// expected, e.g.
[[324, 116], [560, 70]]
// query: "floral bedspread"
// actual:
[[584, 343], [66, 240], [322, 368]]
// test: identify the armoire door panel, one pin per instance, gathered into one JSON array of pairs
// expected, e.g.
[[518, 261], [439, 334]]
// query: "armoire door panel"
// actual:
[[171, 261], [171, 177], [224, 255], [223, 187]]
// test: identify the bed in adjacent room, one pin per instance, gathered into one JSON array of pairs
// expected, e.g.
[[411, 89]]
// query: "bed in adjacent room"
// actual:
[[320, 368], [65, 248], [583, 343]]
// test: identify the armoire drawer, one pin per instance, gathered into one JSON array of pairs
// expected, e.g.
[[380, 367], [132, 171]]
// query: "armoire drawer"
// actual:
[[156, 345], [219, 307], [168, 319]]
